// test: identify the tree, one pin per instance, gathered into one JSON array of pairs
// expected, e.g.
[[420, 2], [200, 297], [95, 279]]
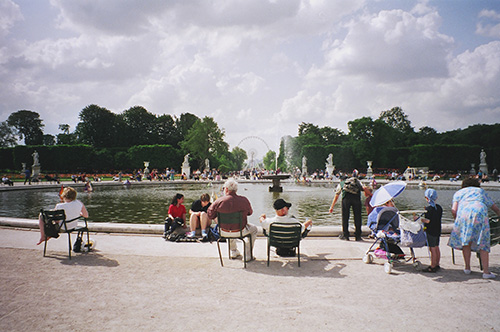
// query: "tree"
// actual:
[[99, 127], [361, 133], [205, 140], [49, 139], [427, 135], [7, 136], [270, 160], [184, 123], [65, 137], [167, 131], [397, 119], [332, 136], [141, 126], [239, 156], [28, 125]]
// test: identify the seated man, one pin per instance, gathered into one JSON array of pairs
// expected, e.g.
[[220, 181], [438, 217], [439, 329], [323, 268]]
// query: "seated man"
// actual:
[[6, 181], [199, 217], [229, 203], [282, 207]]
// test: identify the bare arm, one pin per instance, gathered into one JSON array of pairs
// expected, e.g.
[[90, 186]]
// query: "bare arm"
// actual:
[[335, 199], [84, 213], [495, 208], [454, 209]]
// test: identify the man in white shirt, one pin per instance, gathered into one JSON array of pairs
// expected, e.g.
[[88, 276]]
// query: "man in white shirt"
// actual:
[[282, 208]]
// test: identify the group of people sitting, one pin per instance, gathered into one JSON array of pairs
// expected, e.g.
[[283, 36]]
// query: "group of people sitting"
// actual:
[[203, 212], [471, 231]]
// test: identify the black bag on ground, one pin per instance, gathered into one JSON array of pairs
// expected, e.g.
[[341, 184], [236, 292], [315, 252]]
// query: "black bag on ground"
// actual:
[[77, 247], [171, 225]]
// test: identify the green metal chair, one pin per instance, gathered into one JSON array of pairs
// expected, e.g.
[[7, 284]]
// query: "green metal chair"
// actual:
[[50, 216], [225, 221], [284, 235]]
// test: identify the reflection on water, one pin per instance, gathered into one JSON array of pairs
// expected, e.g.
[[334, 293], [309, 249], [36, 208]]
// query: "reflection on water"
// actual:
[[149, 204]]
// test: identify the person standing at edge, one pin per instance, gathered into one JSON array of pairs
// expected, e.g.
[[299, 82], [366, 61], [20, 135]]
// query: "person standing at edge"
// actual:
[[229, 203], [351, 197]]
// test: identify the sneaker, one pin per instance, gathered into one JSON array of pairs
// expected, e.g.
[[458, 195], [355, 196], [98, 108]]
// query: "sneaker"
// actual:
[[191, 234], [235, 254], [489, 275], [466, 271]]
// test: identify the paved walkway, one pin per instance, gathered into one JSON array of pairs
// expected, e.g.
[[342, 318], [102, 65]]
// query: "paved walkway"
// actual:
[[143, 283]]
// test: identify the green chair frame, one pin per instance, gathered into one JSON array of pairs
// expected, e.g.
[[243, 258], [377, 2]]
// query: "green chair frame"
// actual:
[[58, 215], [284, 235], [226, 219]]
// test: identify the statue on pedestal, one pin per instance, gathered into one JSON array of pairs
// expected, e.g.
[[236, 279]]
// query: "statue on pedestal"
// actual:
[[330, 167], [186, 168], [35, 158], [304, 166], [369, 170], [483, 166]]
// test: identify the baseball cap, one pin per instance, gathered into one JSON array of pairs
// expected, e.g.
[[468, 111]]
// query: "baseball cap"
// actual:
[[280, 203]]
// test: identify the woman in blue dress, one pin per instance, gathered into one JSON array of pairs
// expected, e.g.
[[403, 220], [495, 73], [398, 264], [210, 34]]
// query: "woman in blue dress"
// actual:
[[471, 231]]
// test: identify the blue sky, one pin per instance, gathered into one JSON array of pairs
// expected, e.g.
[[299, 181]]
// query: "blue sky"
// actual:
[[258, 67]]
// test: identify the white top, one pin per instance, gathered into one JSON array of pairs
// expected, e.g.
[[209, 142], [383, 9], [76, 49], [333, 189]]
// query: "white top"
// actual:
[[72, 210], [284, 219]]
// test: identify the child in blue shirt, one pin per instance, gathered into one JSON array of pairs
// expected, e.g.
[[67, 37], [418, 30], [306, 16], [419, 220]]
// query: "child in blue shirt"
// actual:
[[432, 221]]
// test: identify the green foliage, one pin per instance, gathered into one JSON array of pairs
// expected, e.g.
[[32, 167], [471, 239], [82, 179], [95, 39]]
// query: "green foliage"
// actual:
[[57, 158], [28, 125], [98, 127], [238, 156], [159, 156], [140, 126], [7, 159], [269, 160], [204, 140], [7, 136]]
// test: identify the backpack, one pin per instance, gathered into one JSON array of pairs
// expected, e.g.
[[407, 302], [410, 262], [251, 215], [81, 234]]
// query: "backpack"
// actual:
[[213, 233], [51, 228], [171, 225], [351, 186]]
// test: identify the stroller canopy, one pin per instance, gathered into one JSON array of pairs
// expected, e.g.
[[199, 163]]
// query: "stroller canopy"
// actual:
[[387, 218]]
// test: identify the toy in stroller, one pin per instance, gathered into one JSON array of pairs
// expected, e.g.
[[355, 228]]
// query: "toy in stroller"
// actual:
[[391, 230]]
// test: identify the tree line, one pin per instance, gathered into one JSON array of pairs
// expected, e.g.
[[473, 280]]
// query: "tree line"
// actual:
[[113, 141]]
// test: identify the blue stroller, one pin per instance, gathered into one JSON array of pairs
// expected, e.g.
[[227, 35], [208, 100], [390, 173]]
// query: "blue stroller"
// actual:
[[391, 230]]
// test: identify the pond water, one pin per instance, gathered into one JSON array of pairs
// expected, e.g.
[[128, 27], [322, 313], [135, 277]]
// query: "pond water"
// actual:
[[149, 203]]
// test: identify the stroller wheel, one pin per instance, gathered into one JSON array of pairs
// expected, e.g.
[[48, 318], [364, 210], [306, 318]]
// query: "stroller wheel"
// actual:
[[417, 265], [368, 259], [388, 267]]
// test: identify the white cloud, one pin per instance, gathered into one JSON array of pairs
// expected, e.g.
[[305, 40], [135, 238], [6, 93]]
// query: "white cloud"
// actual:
[[259, 68], [9, 15], [486, 28]]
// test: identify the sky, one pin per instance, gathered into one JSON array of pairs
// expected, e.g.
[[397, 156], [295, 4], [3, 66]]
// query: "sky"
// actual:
[[258, 67]]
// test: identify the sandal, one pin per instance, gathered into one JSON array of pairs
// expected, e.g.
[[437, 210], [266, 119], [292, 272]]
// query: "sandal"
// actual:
[[430, 269]]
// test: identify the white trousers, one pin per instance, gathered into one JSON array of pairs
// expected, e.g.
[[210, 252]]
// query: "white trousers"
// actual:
[[249, 229]]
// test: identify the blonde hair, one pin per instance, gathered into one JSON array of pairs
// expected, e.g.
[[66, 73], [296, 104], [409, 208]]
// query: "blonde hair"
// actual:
[[69, 193]]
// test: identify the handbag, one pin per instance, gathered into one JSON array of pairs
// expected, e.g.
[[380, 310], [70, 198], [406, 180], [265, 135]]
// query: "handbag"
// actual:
[[51, 228]]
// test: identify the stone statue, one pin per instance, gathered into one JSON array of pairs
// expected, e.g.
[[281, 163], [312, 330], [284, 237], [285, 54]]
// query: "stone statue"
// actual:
[[482, 157], [35, 158], [304, 161], [483, 166], [207, 164], [329, 160], [186, 161]]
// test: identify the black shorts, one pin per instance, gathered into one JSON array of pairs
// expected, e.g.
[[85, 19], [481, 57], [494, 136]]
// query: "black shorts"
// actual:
[[432, 240]]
